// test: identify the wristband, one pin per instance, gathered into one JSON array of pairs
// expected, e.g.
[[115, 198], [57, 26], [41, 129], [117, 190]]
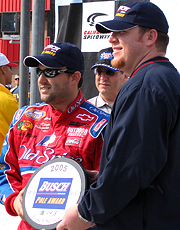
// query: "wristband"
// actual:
[[83, 219]]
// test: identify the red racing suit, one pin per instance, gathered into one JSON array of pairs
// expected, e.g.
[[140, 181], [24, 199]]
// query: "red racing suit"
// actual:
[[39, 133]]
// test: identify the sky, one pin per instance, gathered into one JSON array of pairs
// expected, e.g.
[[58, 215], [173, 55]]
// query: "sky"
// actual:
[[171, 9]]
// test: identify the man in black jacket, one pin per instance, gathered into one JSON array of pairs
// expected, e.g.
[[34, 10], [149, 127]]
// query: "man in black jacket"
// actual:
[[138, 187]]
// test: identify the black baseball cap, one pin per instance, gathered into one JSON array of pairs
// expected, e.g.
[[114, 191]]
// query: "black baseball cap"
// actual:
[[58, 55], [104, 58], [145, 14]]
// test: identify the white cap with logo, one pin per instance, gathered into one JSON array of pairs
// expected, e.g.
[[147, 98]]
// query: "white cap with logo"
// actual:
[[5, 61]]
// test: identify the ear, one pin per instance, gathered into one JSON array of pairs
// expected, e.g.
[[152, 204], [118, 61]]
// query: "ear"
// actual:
[[125, 78], [3, 69], [151, 37], [76, 76]]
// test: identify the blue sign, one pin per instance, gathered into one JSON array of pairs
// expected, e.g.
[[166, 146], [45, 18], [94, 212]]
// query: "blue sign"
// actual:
[[52, 193]]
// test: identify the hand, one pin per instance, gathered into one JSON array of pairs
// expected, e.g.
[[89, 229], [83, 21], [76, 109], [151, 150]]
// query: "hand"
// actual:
[[18, 205], [93, 175], [71, 221]]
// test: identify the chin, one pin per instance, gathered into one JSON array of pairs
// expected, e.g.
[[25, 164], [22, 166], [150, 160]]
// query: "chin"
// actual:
[[44, 99], [118, 63], [103, 92]]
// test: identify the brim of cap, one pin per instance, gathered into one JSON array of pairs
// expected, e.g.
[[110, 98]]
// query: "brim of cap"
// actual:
[[104, 65], [11, 64], [34, 61], [113, 25]]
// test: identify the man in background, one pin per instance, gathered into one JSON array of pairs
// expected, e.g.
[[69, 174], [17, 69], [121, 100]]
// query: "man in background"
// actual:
[[15, 91], [108, 80], [8, 104], [16, 80]]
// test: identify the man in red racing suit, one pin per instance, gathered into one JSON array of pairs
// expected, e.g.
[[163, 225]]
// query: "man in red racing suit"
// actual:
[[40, 133]]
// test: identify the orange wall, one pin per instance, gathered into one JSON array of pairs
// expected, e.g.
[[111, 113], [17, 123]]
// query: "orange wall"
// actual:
[[15, 5], [12, 50]]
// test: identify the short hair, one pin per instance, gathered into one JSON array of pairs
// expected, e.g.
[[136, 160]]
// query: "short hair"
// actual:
[[162, 39], [80, 81]]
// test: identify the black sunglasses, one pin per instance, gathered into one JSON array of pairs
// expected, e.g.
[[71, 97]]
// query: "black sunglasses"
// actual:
[[52, 72], [16, 78], [108, 72]]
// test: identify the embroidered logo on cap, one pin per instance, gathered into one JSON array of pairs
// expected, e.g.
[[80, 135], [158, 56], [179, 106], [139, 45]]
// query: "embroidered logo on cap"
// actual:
[[122, 10], [106, 55], [51, 49]]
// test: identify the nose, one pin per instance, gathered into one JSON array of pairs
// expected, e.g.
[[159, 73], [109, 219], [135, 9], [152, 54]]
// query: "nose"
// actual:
[[103, 75], [42, 78], [113, 38]]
